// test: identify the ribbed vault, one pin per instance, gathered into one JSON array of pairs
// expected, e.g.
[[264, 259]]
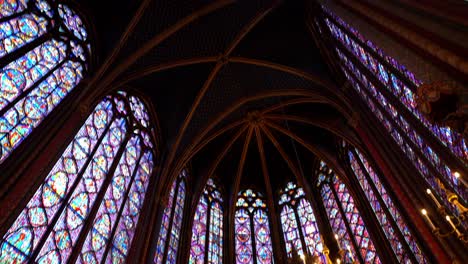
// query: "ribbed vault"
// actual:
[[241, 91]]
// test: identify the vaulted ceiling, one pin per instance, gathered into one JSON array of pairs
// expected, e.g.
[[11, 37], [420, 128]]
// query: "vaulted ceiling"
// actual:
[[229, 81]]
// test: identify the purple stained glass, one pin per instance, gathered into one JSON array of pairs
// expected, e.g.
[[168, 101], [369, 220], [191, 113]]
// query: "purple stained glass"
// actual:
[[72, 219], [139, 110], [32, 85], [69, 193], [215, 245], [414, 143], [106, 217], [125, 230], [399, 90], [290, 230], [309, 228], [356, 161], [26, 231], [72, 21], [343, 214], [19, 31], [161, 244], [197, 246], [252, 229], [207, 229], [10, 7], [244, 252], [262, 237], [176, 225], [297, 214], [337, 223]]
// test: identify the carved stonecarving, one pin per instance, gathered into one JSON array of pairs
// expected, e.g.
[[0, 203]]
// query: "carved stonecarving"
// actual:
[[443, 104]]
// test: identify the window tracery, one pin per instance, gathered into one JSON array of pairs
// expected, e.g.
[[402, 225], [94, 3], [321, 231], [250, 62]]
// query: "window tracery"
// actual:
[[389, 90], [394, 226], [100, 178], [300, 227], [345, 219], [171, 221], [207, 231], [44, 49], [252, 229]]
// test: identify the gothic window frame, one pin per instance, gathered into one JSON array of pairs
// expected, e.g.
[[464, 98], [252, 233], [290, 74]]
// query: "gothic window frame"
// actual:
[[165, 236], [393, 224], [213, 196], [327, 182], [253, 202], [292, 196], [388, 89], [69, 51], [138, 138]]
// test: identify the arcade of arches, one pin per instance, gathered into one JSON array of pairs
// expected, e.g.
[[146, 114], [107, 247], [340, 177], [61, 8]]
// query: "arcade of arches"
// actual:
[[233, 131]]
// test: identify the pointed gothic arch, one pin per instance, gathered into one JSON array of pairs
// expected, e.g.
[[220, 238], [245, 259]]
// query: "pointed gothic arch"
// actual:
[[88, 205]]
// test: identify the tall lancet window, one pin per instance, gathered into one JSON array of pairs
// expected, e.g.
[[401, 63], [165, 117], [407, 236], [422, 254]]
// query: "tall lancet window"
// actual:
[[207, 230], [298, 221], [389, 90], [88, 205], [252, 229], [394, 226], [43, 53], [171, 222], [345, 219]]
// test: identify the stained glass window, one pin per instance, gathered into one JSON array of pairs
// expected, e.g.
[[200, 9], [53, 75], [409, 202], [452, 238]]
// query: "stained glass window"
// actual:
[[207, 230], [389, 90], [171, 222], [252, 229], [345, 220], [42, 66], [389, 217], [298, 221], [107, 158]]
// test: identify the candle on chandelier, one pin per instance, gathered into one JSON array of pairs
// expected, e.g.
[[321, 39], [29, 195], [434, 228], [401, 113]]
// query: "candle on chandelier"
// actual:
[[459, 178], [350, 253], [424, 212], [303, 258], [447, 217], [433, 198], [338, 241]]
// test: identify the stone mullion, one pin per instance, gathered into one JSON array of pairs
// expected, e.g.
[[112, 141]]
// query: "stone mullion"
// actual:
[[299, 227], [253, 237], [230, 226], [24, 170], [70, 192], [383, 247], [323, 223], [440, 250], [122, 206], [389, 216], [373, 53], [88, 223], [345, 219], [21, 51], [32, 88], [443, 151], [407, 140], [207, 229], [186, 228], [171, 220]]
